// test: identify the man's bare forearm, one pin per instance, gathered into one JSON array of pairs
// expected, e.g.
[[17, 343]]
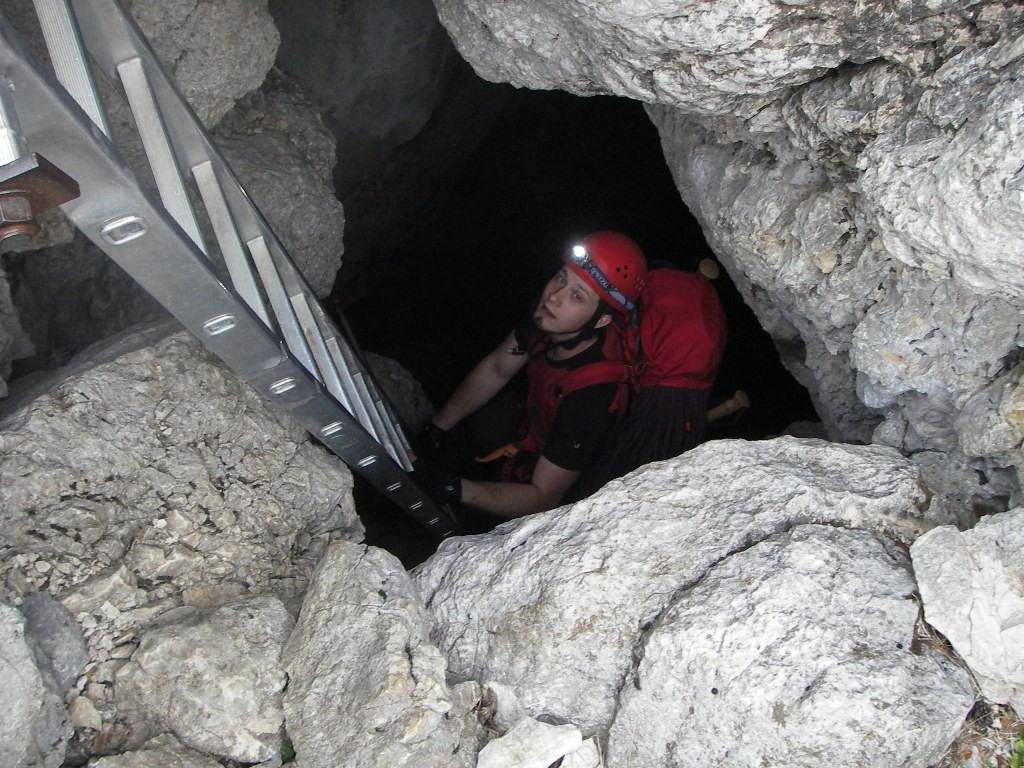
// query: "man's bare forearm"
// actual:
[[504, 499]]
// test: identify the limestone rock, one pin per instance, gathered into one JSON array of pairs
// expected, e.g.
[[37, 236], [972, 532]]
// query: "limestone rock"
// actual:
[[147, 476], [34, 730], [804, 644], [727, 57], [213, 677], [554, 605], [58, 639], [277, 145], [161, 752], [215, 51], [530, 744], [972, 586], [157, 455], [364, 680]]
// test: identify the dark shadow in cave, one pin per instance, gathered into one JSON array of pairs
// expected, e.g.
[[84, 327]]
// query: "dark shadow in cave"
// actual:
[[554, 167]]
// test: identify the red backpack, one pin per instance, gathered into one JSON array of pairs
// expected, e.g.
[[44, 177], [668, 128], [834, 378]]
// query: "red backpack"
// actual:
[[681, 336], [679, 340]]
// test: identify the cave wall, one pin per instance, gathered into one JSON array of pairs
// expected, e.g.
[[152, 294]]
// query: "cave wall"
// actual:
[[855, 167]]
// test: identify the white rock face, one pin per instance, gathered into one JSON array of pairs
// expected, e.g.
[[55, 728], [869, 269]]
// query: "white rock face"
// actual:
[[804, 645], [530, 744], [554, 606], [365, 684], [34, 730], [147, 452], [972, 586], [162, 752], [732, 56], [212, 677], [145, 477]]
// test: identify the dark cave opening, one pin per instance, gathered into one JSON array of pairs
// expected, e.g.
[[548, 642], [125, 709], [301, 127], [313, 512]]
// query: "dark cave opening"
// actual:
[[553, 168]]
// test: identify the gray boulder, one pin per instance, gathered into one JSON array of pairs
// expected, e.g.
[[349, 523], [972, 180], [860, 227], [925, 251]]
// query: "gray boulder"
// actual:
[[972, 586], [277, 145], [34, 730], [556, 605], [56, 637], [161, 752], [800, 651], [212, 677], [366, 685]]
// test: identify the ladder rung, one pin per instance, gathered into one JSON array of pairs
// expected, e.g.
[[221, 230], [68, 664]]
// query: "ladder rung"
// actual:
[[156, 142], [64, 43], [231, 249]]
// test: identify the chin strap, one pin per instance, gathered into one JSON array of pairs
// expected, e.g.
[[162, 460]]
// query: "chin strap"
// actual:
[[587, 332]]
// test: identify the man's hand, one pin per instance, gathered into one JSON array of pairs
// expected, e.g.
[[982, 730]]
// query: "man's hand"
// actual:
[[432, 443], [440, 486]]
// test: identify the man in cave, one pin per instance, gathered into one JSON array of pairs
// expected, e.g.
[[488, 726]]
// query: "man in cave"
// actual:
[[575, 394]]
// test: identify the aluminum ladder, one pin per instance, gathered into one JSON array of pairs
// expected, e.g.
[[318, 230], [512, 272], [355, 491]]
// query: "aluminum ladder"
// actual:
[[245, 300]]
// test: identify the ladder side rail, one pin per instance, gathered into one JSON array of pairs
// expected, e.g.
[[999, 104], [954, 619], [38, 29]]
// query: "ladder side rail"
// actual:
[[377, 414], [354, 354], [122, 218], [333, 379], [359, 383], [194, 146]]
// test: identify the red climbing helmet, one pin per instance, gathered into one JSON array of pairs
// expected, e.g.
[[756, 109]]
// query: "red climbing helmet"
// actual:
[[613, 265]]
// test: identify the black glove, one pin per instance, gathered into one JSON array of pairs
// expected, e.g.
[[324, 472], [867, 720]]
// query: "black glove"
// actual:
[[432, 442], [440, 486]]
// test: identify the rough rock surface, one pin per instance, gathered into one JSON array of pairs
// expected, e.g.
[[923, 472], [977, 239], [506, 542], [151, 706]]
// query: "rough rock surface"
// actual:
[[147, 476], [972, 586], [364, 680], [213, 677], [805, 641], [530, 743], [161, 752], [555, 605], [729, 57], [147, 452], [34, 730], [856, 168], [215, 51], [277, 145], [56, 639]]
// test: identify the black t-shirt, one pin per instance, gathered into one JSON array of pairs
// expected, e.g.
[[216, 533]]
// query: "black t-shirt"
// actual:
[[583, 423]]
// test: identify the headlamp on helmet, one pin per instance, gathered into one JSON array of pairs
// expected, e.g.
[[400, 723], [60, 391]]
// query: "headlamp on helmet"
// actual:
[[613, 265]]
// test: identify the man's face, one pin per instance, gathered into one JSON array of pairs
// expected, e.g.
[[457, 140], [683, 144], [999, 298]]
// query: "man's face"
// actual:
[[566, 304]]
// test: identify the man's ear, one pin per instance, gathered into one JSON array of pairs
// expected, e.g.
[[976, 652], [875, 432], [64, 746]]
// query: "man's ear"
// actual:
[[603, 320]]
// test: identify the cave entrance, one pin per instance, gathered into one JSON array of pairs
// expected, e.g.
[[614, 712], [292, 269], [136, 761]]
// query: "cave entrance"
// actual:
[[553, 167]]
